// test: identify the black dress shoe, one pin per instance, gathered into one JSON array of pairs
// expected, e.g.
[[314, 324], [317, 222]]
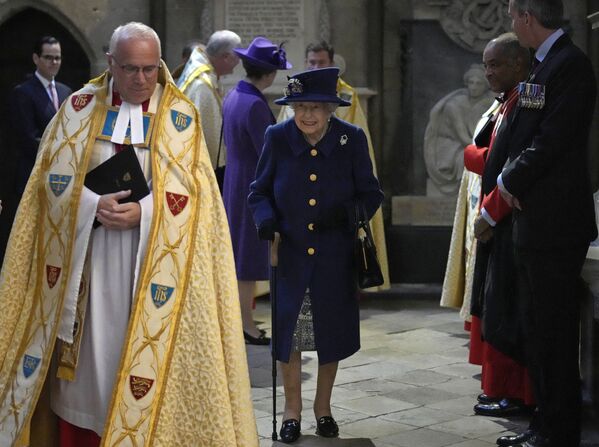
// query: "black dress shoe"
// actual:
[[259, 340], [483, 398], [505, 407], [327, 427], [290, 430], [507, 441]]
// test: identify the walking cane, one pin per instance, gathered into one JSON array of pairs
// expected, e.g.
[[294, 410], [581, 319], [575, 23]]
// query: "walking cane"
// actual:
[[274, 262]]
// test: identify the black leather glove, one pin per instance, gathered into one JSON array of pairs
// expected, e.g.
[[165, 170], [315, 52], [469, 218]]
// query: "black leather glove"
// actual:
[[266, 230], [331, 218]]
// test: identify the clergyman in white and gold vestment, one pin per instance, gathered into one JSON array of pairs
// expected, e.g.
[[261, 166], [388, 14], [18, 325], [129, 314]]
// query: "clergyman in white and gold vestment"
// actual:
[[135, 324], [200, 82]]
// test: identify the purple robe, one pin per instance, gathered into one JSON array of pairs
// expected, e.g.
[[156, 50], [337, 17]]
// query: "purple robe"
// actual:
[[246, 116]]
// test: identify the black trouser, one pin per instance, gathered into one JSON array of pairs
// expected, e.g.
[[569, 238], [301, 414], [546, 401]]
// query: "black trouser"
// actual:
[[551, 288]]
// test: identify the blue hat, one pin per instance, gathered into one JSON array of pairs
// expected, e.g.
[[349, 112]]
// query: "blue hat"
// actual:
[[318, 85], [264, 54]]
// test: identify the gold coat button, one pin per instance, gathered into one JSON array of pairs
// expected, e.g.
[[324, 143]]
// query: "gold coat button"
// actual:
[[314, 152], [313, 177], [311, 251], [311, 226], [312, 202]]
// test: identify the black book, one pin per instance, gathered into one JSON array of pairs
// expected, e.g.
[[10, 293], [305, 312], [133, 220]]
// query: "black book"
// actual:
[[119, 173]]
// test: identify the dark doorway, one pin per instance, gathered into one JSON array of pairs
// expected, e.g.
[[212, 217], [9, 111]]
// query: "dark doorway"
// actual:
[[18, 35]]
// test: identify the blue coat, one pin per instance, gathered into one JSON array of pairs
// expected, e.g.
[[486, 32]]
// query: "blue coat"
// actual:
[[295, 183], [246, 116]]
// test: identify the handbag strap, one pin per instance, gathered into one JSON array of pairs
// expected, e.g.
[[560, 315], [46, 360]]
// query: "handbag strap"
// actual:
[[363, 222]]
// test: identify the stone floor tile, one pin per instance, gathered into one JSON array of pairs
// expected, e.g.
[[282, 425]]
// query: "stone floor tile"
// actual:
[[422, 437], [421, 416], [421, 377], [373, 427], [462, 406], [375, 386], [466, 387], [473, 443], [375, 405], [458, 369], [421, 395], [424, 360], [470, 427]]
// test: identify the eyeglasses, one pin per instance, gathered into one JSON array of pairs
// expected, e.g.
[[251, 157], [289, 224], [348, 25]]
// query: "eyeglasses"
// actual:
[[51, 58], [132, 70]]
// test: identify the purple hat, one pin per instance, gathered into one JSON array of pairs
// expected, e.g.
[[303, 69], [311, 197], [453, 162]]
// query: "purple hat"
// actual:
[[264, 54], [318, 85]]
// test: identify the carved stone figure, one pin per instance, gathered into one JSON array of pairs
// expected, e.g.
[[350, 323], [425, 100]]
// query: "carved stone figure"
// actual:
[[450, 128]]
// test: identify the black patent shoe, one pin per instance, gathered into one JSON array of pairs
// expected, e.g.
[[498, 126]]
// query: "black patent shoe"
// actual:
[[259, 340], [516, 440], [483, 398], [327, 427], [503, 408], [290, 431]]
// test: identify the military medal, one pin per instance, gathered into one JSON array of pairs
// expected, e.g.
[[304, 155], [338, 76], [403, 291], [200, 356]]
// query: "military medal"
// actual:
[[531, 96]]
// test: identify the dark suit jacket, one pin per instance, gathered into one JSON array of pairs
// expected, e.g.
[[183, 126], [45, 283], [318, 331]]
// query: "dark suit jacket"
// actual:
[[30, 112], [548, 169]]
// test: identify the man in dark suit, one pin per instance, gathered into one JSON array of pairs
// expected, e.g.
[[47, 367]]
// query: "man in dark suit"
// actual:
[[547, 182], [34, 103]]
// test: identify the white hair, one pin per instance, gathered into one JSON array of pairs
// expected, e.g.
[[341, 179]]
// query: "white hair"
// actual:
[[133, 30], [221, 42]]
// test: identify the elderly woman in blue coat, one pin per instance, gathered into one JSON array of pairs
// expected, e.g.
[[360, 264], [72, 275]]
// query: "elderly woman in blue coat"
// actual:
[[313, 172]]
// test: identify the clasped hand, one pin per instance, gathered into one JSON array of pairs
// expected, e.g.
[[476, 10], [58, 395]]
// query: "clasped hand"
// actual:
[[118, 216], [483, 231]]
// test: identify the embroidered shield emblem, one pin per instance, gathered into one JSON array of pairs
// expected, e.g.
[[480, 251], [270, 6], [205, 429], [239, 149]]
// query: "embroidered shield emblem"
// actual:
[[181, 121], [176, 202], [52, 274], [139, 386], [30, 364], [58, 183], [80, 101], [161, 294]]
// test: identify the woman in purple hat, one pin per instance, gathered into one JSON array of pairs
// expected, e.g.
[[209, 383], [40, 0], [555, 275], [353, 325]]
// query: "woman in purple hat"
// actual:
[[246, 115], [314, 172]]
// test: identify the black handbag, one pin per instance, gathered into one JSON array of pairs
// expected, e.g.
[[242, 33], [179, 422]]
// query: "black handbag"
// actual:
[[368, 269], [219, 171]]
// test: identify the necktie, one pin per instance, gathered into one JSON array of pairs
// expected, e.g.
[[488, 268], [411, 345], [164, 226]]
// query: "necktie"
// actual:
[[53, 95]]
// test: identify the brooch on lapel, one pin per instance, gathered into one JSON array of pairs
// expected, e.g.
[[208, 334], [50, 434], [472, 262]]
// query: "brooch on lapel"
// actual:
[[343, 140]]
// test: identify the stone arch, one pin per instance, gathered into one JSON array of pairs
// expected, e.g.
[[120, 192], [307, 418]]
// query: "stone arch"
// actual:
[[22, 23], [14, 7]]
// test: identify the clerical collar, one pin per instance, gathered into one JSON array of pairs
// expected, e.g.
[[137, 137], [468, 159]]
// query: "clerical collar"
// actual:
[[129, 115]]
